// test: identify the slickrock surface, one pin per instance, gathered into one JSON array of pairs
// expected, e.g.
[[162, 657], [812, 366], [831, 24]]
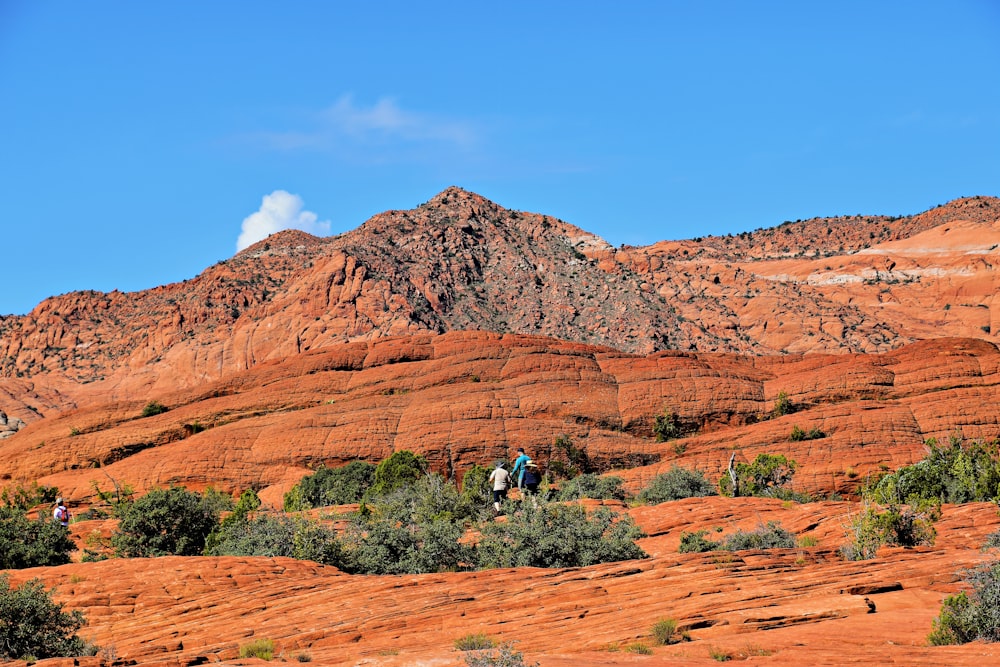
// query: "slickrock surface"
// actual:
[[462, 330], [462, 262], [467, 398], [800, 606]]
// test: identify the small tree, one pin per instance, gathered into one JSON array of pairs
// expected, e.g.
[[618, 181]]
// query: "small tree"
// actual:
[[766, 476], [400, 469], [164, 522], [782, 405], [666, 426], [32, 625], [331, 486], [31, 543]]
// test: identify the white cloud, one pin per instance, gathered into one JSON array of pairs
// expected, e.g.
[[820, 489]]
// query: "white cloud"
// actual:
[[383, 131], [279, 210]]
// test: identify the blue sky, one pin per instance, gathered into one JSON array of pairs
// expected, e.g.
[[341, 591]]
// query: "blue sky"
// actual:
[[139, 137]]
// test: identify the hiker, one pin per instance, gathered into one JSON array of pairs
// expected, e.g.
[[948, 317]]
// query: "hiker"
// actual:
[[519, 462], [501, 482], [61, 514], [532, 477]]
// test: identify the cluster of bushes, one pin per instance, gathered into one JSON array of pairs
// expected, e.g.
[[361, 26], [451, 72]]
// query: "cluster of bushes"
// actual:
[[953, 473], [771, 536], [971, 616], [33, 626], [900, 508]]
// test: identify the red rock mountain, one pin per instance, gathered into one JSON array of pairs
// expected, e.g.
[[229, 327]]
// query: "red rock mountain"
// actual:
[[462, 330]]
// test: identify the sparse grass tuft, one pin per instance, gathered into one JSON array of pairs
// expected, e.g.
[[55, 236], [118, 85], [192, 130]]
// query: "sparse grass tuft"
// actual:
[[258, 648], [664, 631]]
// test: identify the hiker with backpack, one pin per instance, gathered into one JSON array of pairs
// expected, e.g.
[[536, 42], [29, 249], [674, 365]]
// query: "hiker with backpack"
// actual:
[[61, 514]]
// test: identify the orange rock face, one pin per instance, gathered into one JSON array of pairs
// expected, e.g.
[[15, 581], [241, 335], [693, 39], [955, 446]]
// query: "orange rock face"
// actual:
[[462, 330], [802, 606]]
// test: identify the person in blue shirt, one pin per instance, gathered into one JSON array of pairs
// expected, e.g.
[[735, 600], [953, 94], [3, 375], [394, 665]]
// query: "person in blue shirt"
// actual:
[[519, 464]]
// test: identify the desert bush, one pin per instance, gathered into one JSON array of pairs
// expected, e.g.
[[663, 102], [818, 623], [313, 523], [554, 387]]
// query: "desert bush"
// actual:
[[268, 534], [400, 469], [992, 540], [476, 487], [955, 473], [474, 642], [695, 542], [664, 631], [258, 648], [782, 405], [797, 434], [894, 525], [766, 476], [503, 656], [971, 616], [163, 522], [590, 485], [28, 542], [153, 408], [639, 648], [332, 486], [675, 484], [32, 625], [553, 535], [414, 529], [25, 497], [771, 536], [566, 460], [666, 426]]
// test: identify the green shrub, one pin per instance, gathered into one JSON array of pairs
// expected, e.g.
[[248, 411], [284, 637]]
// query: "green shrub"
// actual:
[[664, 631], [277, 535], [695, 542], [411, 530], [258, 648], [31, 543], [782, 405], [955, 473], [895, 525], [798, 434], [553, 535], [331, 486], [766, 476], [992, 540], [24, 498], [503, 656], [971, 616], [638, 648], [566, 460], [164, 522], [771, 536], [666, 426], [153, 408], [590, 485], [474, 642], [675, 484], [33, 625], [476, 487], [400, 469]]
